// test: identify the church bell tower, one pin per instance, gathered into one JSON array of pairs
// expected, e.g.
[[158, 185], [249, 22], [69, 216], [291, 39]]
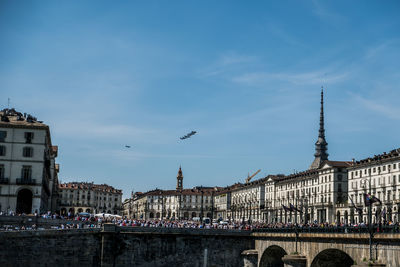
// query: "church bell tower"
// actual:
[[179, 180]]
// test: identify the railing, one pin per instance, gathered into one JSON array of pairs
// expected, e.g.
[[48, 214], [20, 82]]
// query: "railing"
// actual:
[[4, 180], [331, 229], [26, 181]]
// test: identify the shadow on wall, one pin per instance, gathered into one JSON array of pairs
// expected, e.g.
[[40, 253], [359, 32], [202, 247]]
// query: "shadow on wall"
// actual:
[[272, 257], [332, 258]]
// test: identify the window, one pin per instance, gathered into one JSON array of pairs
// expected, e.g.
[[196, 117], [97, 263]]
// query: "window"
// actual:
[[26, 172], [3, 135], [383, 168], [28, 137], [2, 150], [1, 171], [339, 177], [27, 152], [394, 166]]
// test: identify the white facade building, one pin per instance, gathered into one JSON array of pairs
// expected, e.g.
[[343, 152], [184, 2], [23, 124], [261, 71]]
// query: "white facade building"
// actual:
[[382, 172], [248, 201], [223, 202], [174, 204], [316, 193], [76, 197], [28, 172]]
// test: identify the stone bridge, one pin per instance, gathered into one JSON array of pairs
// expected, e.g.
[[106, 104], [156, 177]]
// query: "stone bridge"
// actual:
[[127, 246], [323, 249]]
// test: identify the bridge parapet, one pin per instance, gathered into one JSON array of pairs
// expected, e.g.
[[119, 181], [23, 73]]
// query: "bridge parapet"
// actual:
[[181, 231], [330, 236]]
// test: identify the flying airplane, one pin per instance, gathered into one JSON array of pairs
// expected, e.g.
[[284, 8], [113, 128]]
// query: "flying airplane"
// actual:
[[127, 146], [188, 135]]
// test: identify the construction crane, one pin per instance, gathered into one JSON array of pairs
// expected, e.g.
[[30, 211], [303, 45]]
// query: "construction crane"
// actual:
[[249, 177]]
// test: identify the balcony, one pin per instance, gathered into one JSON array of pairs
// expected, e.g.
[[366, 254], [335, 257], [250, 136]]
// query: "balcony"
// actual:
[[26, 181], [4, 180]]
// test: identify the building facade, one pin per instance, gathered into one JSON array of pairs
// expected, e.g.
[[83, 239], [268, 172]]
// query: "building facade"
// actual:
[[223, 202], [28, 172], [248, 201], [380, 176], [316, 194], [173, 204], [76, 197]]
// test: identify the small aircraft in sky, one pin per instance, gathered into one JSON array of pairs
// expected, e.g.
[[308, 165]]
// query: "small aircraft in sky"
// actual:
[[188, 135], [127, 146]]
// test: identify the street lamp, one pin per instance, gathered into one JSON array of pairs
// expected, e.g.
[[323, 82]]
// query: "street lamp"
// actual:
[[179, 206], [212, 205], [201, 210], [162, 205], [370, 227]]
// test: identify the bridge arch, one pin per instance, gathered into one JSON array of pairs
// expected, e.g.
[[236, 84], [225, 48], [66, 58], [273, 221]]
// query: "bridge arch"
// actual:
[[332, 258], [272, 257]]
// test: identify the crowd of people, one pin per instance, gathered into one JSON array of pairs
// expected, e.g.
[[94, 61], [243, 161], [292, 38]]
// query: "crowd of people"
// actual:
[[78, 221]]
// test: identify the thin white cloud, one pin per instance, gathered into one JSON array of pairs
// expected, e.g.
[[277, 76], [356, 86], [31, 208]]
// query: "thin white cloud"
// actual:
[[325, 14], [279, 32], [93, 130], [380, 49], [233, 58], [384, 109], [227, 62], [313, 77]]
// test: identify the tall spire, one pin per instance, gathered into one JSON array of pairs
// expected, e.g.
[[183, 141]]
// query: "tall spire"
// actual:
[[321, 117], [321, 146]]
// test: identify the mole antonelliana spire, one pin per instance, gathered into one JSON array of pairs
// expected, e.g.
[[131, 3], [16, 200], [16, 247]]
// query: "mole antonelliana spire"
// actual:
[[321, 146]]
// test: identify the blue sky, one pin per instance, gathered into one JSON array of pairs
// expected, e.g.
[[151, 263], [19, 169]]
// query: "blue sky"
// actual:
[[245, 75]]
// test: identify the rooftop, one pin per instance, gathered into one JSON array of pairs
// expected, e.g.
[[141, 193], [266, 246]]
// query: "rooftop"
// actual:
[[12, 117], [393, 154], [197, 190], [90, 186]]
